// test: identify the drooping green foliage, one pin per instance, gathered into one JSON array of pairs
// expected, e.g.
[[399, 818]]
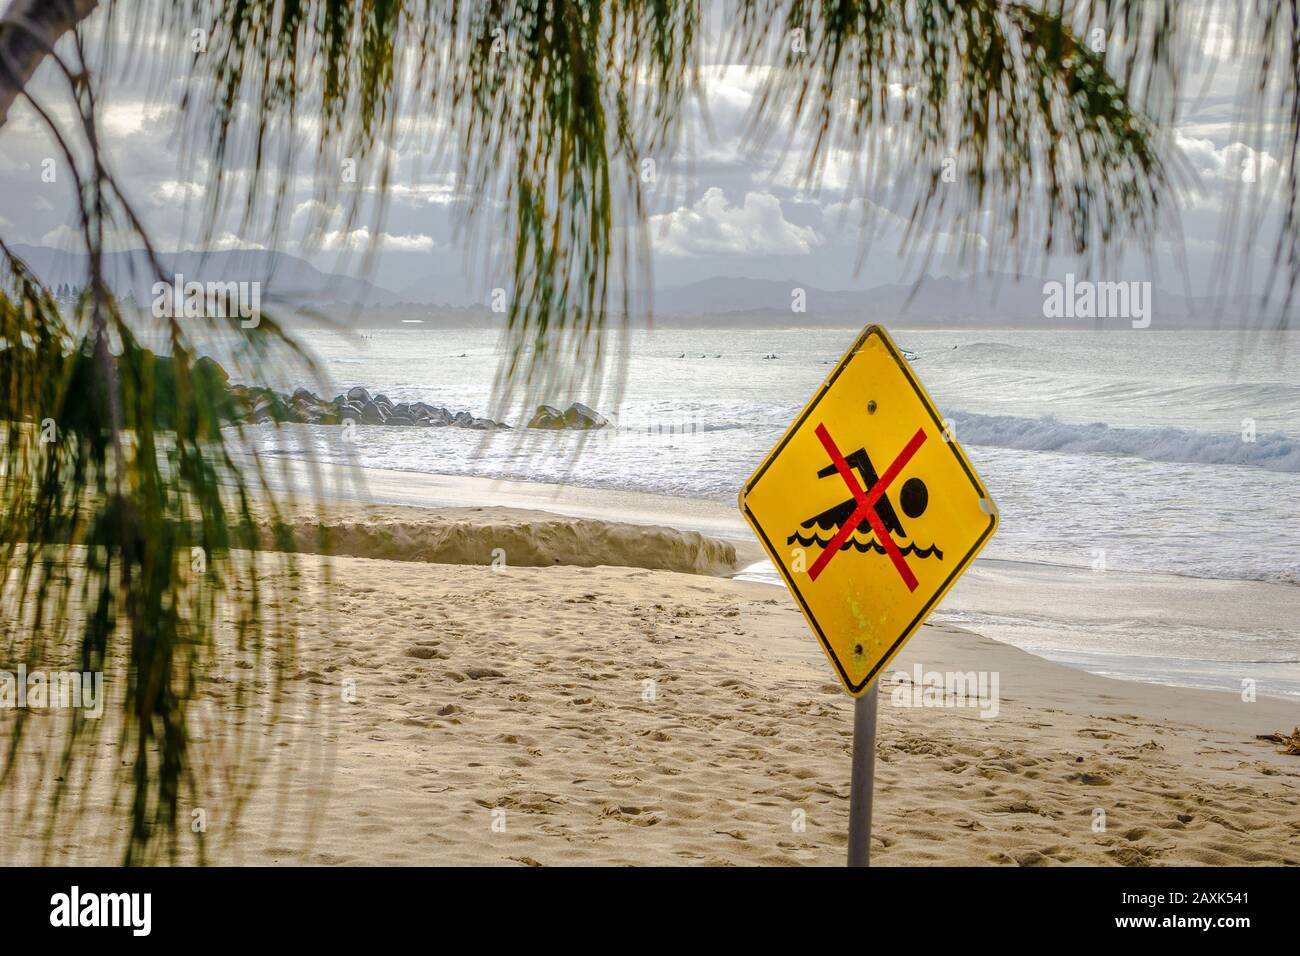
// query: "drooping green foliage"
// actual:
[[1042, 147], [133, 515]]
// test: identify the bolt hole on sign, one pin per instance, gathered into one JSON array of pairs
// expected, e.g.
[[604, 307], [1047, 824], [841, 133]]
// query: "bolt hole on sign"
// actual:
[[869, 509]]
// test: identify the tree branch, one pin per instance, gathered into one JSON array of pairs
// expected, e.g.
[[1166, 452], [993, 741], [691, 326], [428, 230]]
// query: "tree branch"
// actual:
[[28, 31]]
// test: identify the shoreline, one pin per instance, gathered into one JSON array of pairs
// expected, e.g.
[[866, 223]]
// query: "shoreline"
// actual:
[[1148, 606]]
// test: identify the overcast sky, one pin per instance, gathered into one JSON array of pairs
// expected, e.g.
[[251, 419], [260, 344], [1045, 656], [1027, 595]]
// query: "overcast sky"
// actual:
[[719, 210]]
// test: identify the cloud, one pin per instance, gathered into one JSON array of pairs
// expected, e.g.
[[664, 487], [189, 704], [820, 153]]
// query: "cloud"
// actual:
[[178, 192], [440, 193], [714, 227], [1233, 162], [228, 240], [64, 238], [357, 239]]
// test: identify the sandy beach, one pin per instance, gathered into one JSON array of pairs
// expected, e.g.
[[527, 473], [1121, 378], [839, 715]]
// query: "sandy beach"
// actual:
[[446, 711]]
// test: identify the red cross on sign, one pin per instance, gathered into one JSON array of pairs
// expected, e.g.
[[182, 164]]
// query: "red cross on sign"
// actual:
[[867, 506]]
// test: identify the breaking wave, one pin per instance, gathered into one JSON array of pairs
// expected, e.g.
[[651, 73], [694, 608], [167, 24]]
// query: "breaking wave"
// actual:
[[1271, 452]]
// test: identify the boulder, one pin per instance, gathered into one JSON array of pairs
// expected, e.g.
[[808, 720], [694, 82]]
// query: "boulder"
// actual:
[[547, 416], [425, 414], [311, 409], [579, 415], [211, 369], [211, 387], [324, 415], [260, 404], [269, 406]]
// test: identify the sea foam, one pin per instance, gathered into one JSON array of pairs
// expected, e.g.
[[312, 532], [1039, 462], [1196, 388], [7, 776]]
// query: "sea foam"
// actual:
[[1271, 452]]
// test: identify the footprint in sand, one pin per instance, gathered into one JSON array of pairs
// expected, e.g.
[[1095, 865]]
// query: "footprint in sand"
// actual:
[[1090, 779]]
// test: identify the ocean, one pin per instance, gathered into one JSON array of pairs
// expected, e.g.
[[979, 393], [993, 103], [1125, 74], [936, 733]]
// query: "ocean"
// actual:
[[1144, 450]]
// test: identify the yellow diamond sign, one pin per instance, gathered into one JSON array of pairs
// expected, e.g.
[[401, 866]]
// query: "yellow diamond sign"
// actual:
[[869, 508]]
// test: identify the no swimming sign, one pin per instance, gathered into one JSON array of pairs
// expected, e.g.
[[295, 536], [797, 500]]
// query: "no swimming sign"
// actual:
[[869, 508]]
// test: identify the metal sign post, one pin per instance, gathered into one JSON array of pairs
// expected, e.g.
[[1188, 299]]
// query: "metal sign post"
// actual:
[[862, 777]]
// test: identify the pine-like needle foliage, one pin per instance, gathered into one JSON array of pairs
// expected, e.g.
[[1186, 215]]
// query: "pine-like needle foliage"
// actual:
[[134, 523]]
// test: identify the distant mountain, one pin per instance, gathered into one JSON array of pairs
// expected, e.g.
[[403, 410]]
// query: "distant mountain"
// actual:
[[284, 278], [935, 297], [936, 301], [999, 300]]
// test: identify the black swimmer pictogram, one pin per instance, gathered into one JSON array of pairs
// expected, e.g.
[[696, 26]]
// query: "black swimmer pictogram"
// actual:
[[913, 499]]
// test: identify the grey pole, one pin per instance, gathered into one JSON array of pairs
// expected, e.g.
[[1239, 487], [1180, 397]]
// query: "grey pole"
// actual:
[[862, 778]]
